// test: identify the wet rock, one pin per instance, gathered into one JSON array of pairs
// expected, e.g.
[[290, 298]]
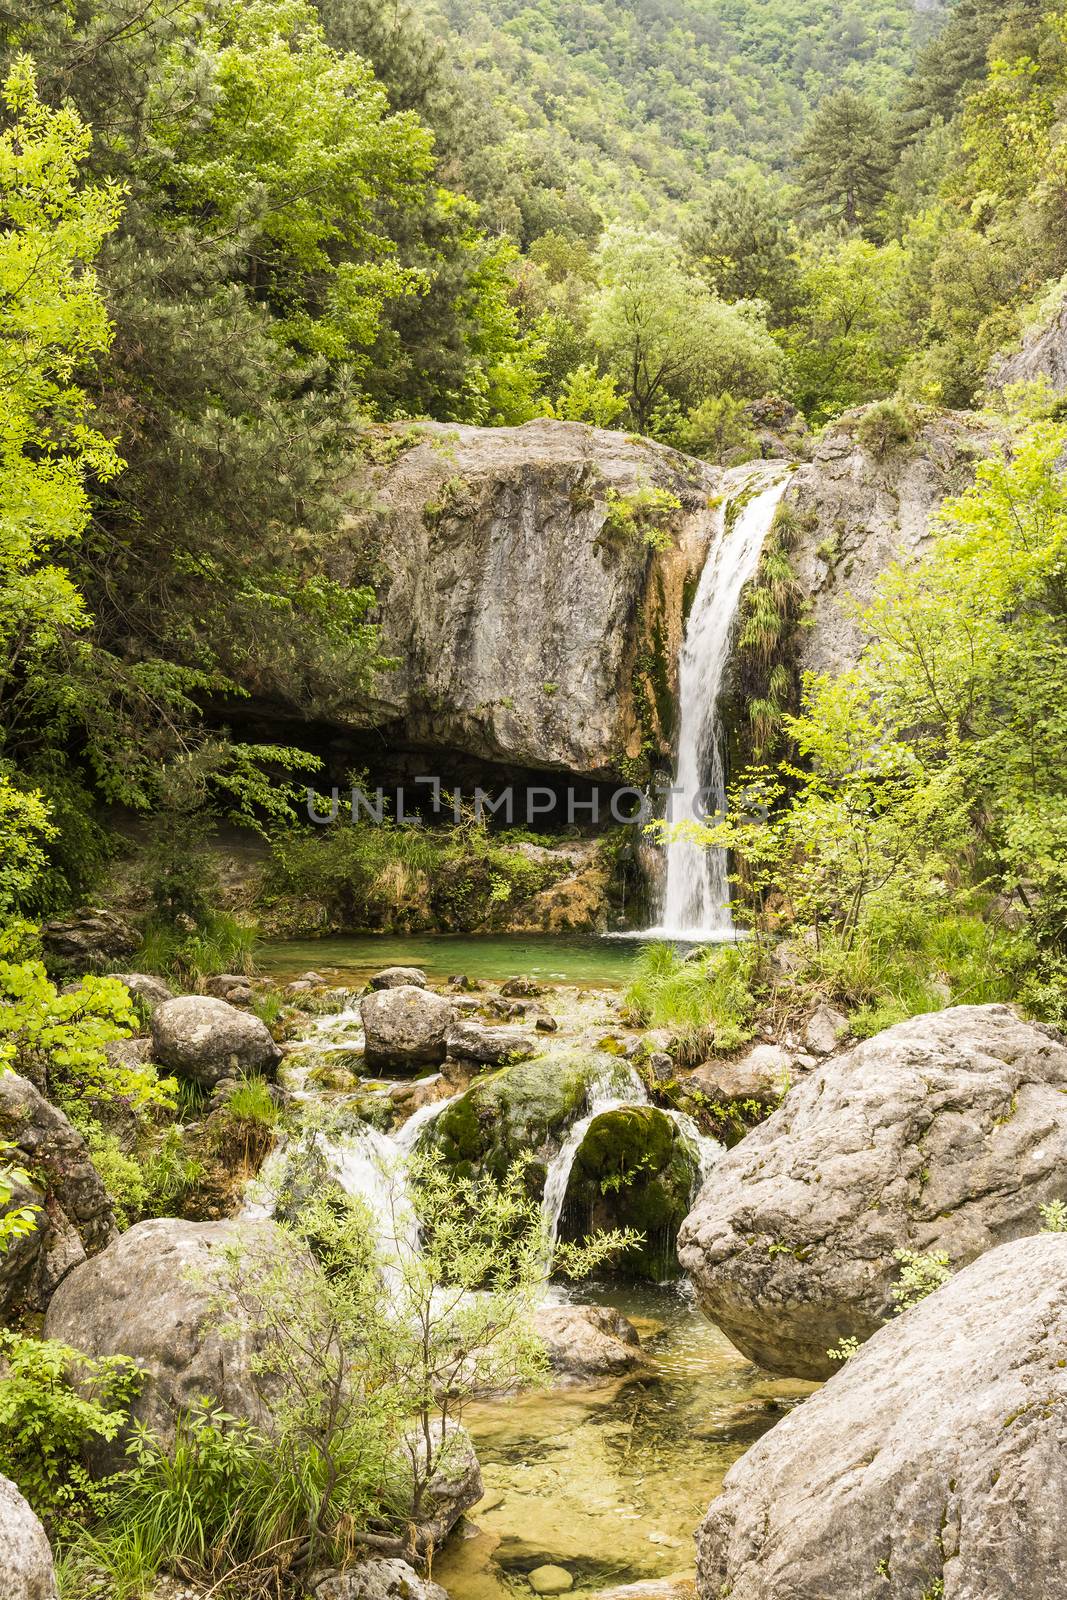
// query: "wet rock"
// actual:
[[677, 1586], [394, 977], [660, 1066], [944, 1133], [26, 1567], [522, 989], [545, 1023], [464, 985], [379, 1579], [151, 991], [469, 1041], [90, 938], [405, 1027], [205, 1039], [586, 1344], [73, 1217], [633, 1169], [824, 1030], [934, 1462], [149, 1296], [550, 1579]]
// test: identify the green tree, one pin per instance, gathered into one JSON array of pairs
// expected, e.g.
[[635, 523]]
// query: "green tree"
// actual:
[[665, 336], [845, 159], [741, 242]]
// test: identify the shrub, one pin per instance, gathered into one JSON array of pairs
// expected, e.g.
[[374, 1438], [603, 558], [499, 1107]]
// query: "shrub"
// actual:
[[711, 996], [887, 426], [921, 1273], [221, 943]]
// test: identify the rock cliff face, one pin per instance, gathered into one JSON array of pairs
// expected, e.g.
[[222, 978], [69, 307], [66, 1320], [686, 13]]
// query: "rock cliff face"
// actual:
[[1043, 354], [857, 513], [531, 628]]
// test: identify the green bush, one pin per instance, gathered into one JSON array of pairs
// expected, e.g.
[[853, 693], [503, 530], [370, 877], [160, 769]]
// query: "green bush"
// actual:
[[888, 426], [221, 943], [711, 997]]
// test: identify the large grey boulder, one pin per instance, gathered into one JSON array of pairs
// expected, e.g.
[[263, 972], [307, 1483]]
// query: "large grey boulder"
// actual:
[[26, 1569], [588, 1344], [206, 1039], [91, 938], [945, 1133], [151, 1296], [405, 1027], [73, 1216], [934, 1463]]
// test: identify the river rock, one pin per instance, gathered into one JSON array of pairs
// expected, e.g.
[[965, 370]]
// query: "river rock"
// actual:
[[144, 986], [235, 987], [522, 989], [90, 938], [376, 1579], [26, 1567], [456, 1484], [550, 1579], [469, 1041], [394, 977], [405, 1027], [586, 1344], [944, 1133], [633, 1169], [73, 1216], [149, 1296], [934, 1462], [205, 1039]]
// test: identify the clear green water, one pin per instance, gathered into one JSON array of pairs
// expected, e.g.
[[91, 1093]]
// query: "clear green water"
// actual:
[[555, 958], [611, 1482]]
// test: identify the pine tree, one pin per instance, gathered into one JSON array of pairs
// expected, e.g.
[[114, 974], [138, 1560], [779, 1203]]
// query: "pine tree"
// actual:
[[845, 159]]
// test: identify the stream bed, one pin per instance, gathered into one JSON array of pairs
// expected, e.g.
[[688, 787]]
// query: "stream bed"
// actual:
[[611, 1482]]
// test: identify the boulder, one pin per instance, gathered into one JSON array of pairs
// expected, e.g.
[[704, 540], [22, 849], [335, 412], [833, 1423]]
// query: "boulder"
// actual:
[[522, 989], [550, 1579], [26, 1568], [89, 938], [235, 987], [143, 986], [934, 1462], [149, 1296], [395, 977], [73, 1218], [128, 1053], [405, 1027], [633, 1169], [764, 1074], [469, 1041], [824, 1030], [587, 1344], [945, 1133], [377, 1579], [205, 1039], [456, 1484]]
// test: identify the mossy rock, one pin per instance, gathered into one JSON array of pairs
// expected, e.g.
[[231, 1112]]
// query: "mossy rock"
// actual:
[[633, 1169], [519, 1110]]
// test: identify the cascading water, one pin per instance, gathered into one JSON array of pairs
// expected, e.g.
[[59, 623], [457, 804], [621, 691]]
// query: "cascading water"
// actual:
[[695, 901]]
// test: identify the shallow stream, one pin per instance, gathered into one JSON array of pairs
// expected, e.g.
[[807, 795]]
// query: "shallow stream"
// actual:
[[551, 958], [611, 1482]]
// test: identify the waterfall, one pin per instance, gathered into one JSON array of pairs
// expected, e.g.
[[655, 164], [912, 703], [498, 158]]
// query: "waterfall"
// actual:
[[696, 895], [618, 1088]]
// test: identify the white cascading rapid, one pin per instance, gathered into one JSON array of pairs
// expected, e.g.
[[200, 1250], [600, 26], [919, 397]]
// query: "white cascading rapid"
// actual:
[[695, 898]]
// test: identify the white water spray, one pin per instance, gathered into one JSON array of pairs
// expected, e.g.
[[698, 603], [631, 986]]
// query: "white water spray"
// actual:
[[696, 894]]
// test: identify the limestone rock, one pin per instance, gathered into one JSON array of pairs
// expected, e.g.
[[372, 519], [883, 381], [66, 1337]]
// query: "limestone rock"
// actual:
[[393, 977], [144, 986], [522, 989], [232, 986], [205, 1039], [90, 938], [586, 1344], [944, 1133], [26, 1569], [469, 1041], [376, 1579], [853, 516], [934, 1462], [824, 1030], [1043, 354], [405, 1027], [74, 1217], [456, 1484], [764, 1074], [148, 1296]]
